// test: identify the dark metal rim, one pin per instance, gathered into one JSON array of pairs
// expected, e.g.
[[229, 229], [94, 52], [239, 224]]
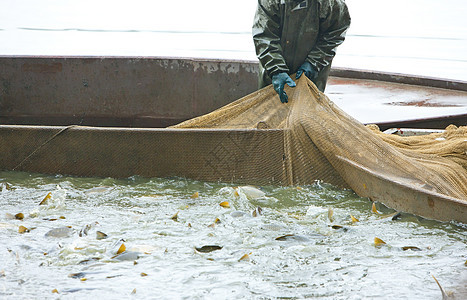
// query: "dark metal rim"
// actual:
[[335, 71]]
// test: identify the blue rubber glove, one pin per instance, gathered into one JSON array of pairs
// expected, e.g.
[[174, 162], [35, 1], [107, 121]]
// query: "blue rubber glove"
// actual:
[[308, 69], [278, 81]]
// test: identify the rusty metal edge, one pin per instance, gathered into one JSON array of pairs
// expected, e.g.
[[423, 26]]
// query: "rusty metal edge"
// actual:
[[435, 82], [364, 74], [427, 123], [453, 209], [214, 60]]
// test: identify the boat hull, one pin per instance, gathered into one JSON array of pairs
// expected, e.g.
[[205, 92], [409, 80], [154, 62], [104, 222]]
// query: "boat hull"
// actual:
[[160, 92]]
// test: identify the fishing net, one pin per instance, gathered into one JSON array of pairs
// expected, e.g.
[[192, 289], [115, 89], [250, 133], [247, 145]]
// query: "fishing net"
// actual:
[[322, 142]]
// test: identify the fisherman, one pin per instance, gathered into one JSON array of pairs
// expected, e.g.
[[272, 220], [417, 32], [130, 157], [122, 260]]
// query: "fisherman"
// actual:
[[296, 36]]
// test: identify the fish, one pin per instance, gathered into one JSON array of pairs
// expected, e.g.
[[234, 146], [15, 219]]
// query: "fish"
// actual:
[[54, 199], [292, 237], [84, 231], [5, 186], [116, 246], [77, 275], [121, 249], [250, 192], [127, 255], [225, 204], [89, 260], [123, 254], [175, 217], [100, 235], [245, 257], [337, 227], [216, 221], [373, 209], [330, 214], [444, 295], [83, 275], [257, 212], [46, 198], [98, 189], [118, 275], [23, 229], [396, 216], [61, 232], [238, 214], [208, 248], [405, 248], [379, 242]]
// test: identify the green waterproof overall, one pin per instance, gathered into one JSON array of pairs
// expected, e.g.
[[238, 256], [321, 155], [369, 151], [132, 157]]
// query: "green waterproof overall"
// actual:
[[286, 33]]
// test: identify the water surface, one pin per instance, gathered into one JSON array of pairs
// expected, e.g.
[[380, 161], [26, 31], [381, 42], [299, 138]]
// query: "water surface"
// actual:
[[311, 258]]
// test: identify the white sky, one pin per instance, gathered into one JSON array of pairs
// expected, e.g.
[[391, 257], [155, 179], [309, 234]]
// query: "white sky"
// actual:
[[425, 37]]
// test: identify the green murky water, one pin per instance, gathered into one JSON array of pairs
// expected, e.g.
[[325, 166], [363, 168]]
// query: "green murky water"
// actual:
[[62, 252]]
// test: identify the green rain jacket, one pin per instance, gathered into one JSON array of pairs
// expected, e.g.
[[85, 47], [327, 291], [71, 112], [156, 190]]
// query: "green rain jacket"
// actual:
[[286, 33]]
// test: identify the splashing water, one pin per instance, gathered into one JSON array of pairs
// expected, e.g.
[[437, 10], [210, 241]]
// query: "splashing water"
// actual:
[[291, 249]]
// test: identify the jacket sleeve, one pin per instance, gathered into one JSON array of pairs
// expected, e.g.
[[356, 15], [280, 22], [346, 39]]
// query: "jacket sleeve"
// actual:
[[266, 37], [334, 22]]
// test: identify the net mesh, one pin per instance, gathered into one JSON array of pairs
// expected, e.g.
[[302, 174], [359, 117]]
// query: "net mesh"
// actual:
[[320, 140]]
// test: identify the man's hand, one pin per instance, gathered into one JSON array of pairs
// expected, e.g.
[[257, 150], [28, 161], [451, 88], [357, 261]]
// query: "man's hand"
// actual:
[[278, 81], [308, 69]]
